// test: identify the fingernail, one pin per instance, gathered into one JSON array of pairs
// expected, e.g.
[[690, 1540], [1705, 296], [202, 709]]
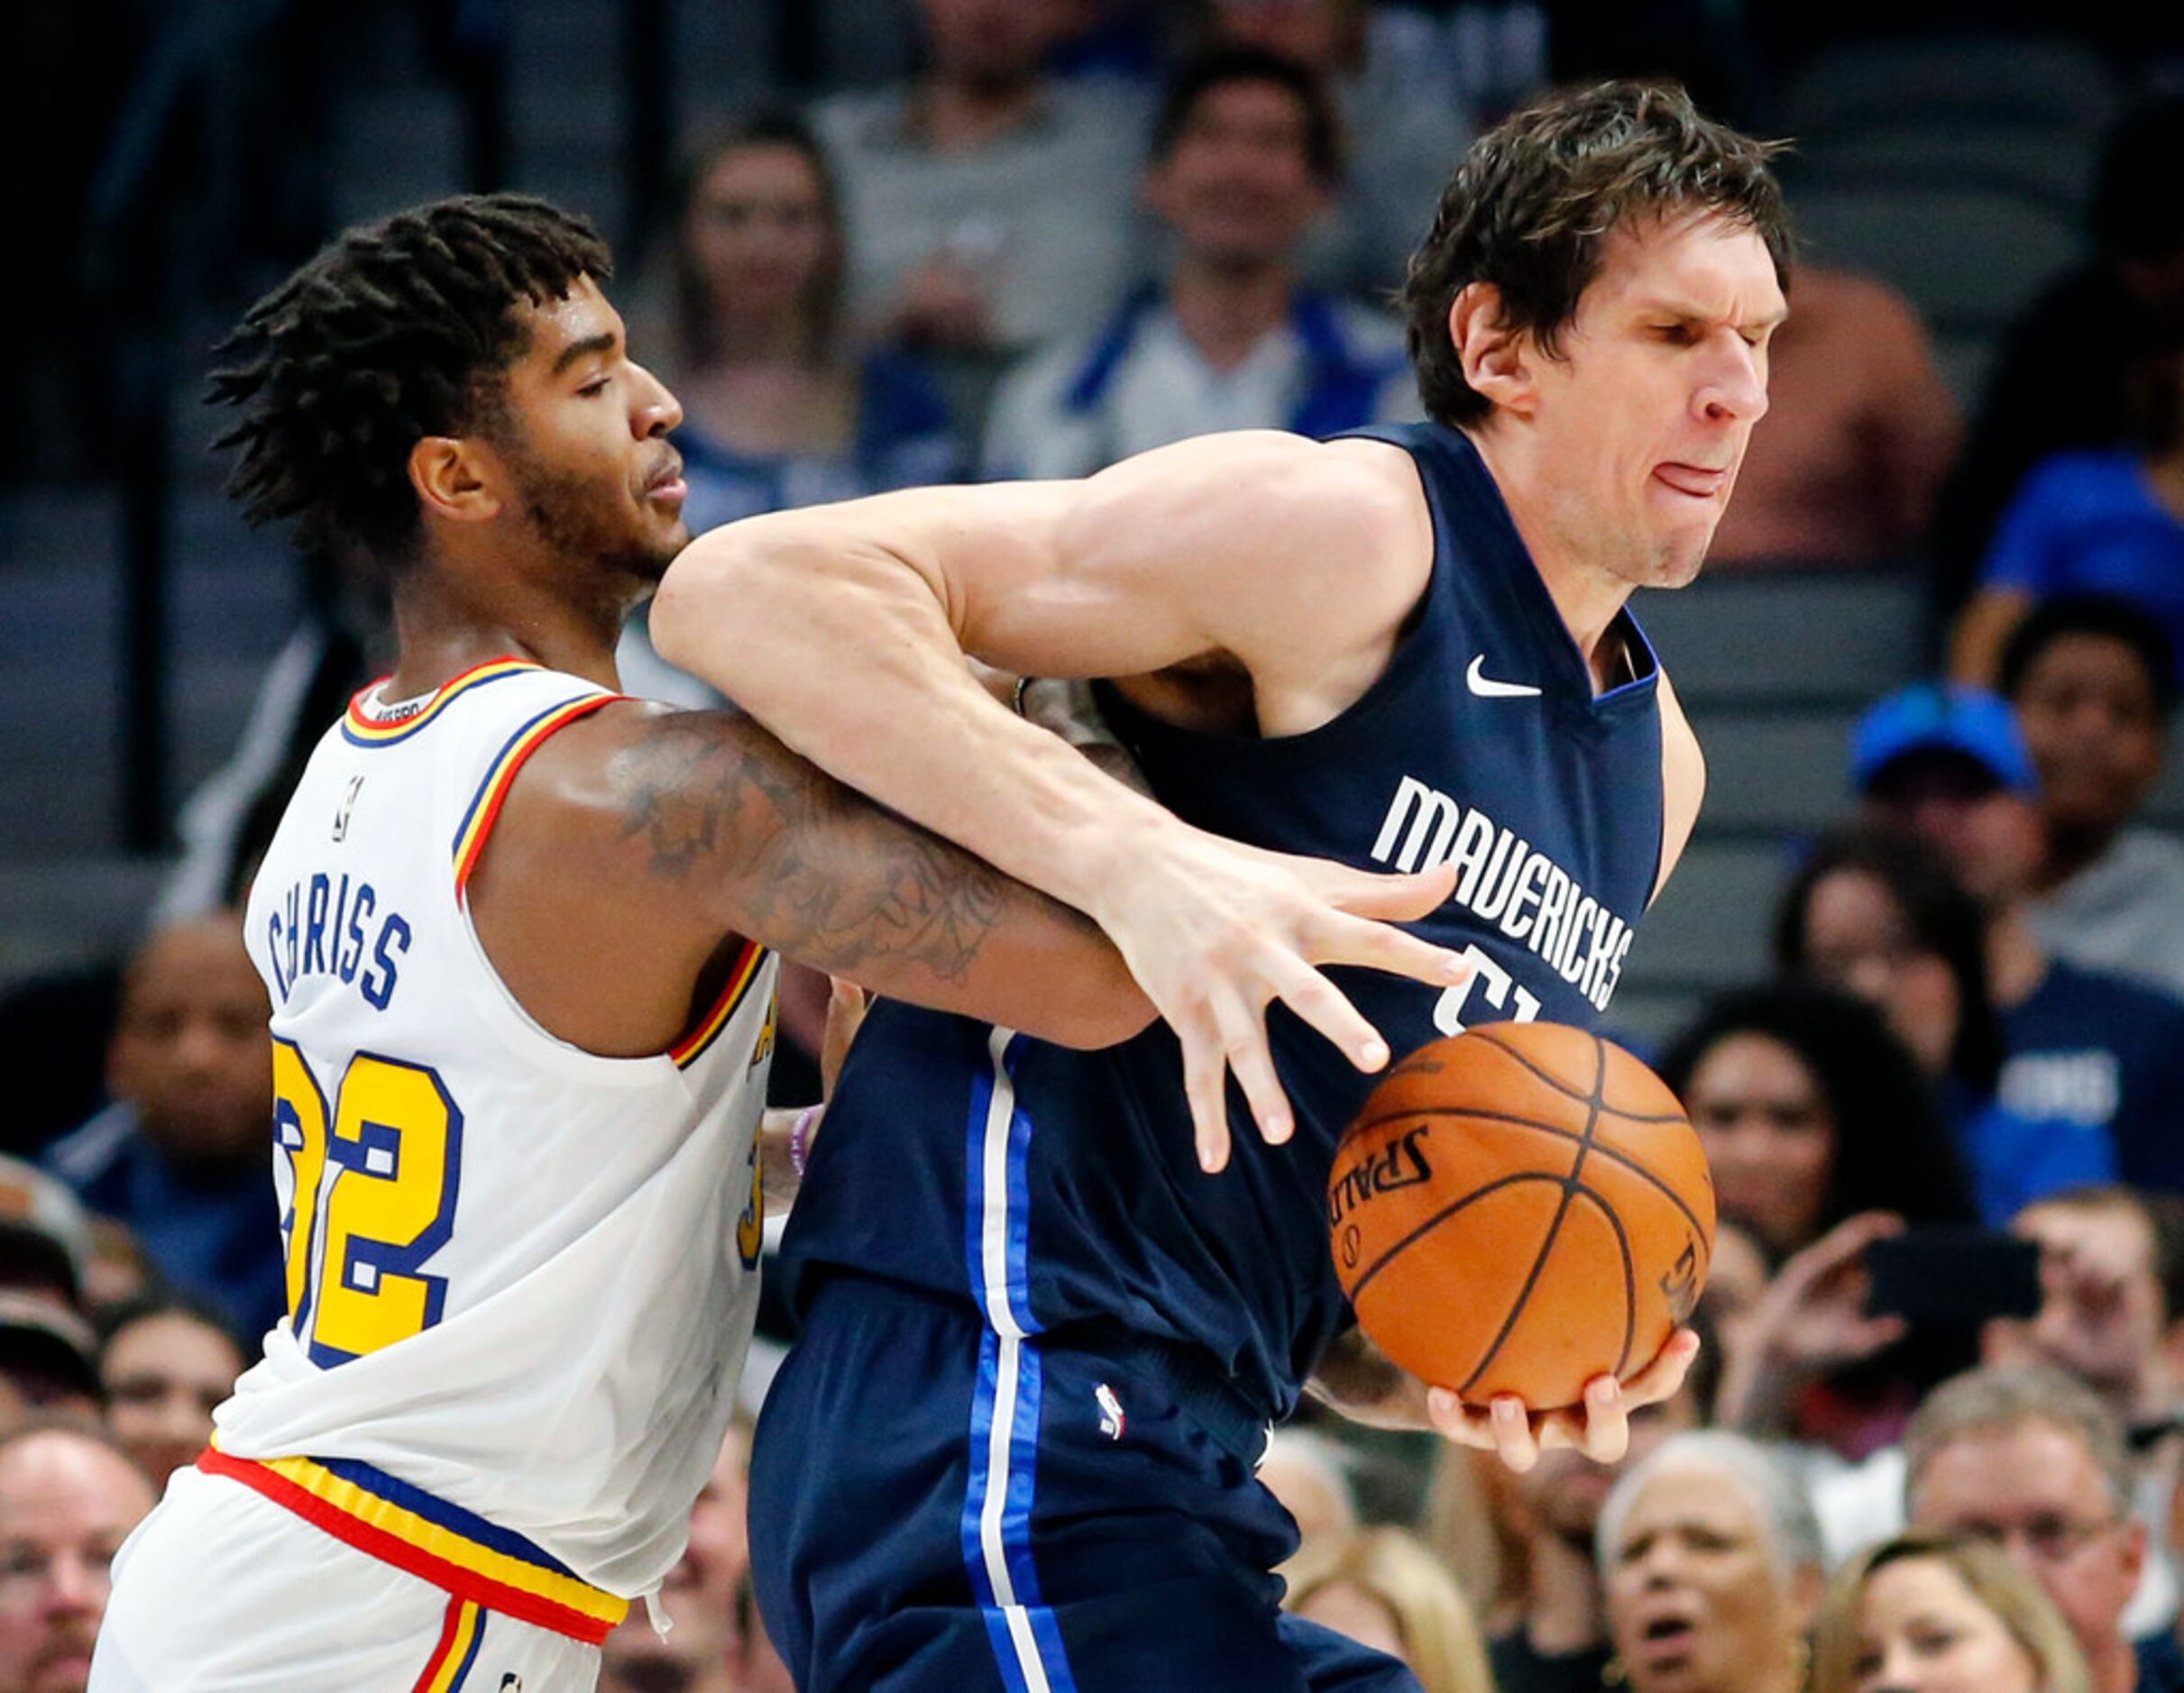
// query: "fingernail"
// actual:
[[1454, 967], [1278, 1128], [1373, 1054]]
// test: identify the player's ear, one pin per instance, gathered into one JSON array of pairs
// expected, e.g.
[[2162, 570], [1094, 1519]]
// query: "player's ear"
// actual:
[[456, 478], [1495, 357]]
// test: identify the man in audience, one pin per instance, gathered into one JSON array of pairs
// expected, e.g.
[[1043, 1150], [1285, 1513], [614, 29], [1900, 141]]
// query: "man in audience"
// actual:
[[2110, 1265], [2081, 1048], [1560, 1644], [45, 1239], [181, 1156], [46, 1362], [2093, 681], [1244, 157], [68, 1496], [1404, 122], [2031, 1460], [988, 205]]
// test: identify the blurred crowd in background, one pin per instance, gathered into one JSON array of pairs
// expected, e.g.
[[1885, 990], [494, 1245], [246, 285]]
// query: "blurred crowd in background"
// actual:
[[931, 240]]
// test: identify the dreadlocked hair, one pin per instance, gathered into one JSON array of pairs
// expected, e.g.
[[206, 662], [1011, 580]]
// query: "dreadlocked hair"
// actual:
[[400, 330]]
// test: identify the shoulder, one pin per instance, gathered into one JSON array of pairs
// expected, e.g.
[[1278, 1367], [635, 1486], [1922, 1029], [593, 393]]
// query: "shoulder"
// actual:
[[1298, 494], [1683, 780], [87, 1156]]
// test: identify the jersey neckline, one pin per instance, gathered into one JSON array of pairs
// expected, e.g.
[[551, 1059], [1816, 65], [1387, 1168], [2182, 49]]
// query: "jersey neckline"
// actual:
[[360, 727]]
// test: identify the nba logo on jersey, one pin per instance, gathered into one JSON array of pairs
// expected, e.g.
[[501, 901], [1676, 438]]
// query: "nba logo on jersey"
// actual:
[[1112, 1422]]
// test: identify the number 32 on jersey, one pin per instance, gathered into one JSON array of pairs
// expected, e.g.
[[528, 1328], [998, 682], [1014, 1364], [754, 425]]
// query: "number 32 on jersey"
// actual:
[[372, 1198]]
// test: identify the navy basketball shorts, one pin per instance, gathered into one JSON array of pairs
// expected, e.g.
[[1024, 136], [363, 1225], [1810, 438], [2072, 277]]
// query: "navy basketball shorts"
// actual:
[[935, 1506]]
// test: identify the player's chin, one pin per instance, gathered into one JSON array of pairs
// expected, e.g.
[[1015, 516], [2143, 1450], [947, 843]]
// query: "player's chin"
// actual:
[[1678, 561], [660, 549]]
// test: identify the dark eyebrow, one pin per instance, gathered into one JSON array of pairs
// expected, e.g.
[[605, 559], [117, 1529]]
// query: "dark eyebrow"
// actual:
[[604, 342]]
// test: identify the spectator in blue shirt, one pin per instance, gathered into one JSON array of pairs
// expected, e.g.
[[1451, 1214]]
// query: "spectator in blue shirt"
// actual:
[[183, 1156], [2100, 519], [2079, 1045], [1877, 913], [2091, 679]]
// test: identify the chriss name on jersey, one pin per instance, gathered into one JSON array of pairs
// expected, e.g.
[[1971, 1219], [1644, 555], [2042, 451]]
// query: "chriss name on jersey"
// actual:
[[1503, 883], [333, 925]]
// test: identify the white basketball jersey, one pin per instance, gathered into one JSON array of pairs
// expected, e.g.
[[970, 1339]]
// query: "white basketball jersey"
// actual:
[[521, 1278]]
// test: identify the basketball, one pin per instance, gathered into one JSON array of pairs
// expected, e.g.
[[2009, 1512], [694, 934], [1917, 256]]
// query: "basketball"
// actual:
[[1520, 1208]]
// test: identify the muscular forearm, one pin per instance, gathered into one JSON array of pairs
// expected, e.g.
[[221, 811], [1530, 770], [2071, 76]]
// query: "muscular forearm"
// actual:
[[847, 652]]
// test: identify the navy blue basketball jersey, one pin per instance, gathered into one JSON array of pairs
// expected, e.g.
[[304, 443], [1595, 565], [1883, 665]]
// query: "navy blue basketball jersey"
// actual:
[[1060, 1189]]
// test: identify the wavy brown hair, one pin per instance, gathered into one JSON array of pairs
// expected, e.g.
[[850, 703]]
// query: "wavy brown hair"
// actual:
[[1530, 209]]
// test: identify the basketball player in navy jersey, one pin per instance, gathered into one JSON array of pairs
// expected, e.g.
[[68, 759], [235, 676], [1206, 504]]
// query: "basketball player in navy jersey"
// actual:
[[1013, 1446]]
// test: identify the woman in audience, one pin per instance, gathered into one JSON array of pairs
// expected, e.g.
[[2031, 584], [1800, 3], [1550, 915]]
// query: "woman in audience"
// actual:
[[1823, 1135], [1812, 1113], [779, 409], [1711, 1559], [1383, 1588], [1877, 913], [166, 1362], [1928, 1613]]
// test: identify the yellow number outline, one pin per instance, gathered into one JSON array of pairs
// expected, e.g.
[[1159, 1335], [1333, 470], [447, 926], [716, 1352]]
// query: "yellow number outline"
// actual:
[[394, 1141], [299, 1129]]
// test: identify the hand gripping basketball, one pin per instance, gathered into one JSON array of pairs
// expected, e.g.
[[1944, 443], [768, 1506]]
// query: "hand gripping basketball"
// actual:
[[1519, 1213]]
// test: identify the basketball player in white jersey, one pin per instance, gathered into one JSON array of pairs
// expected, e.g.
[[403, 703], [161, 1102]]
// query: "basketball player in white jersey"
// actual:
[[517, 931]]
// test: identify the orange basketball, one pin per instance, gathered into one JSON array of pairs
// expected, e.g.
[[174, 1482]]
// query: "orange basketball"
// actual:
[[1518, 1209]]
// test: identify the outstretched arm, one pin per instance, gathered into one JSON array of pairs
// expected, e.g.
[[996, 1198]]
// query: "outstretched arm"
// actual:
[[844, 628], [638, 836]]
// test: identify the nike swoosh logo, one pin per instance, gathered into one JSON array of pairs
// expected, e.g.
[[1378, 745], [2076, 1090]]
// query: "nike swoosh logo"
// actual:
[[1487, 688]]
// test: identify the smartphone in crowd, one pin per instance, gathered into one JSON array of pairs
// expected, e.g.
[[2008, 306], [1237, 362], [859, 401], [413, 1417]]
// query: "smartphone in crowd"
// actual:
[[1947, 1275]]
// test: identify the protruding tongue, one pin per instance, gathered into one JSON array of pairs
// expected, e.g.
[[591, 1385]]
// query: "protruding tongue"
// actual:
[[1689, 479]]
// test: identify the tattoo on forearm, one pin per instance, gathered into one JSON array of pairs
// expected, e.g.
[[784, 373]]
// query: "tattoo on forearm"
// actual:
[[826, 875]]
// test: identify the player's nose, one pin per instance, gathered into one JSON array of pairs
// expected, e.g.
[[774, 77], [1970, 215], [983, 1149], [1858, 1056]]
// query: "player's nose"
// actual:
[[1735, 386], [655, 411]]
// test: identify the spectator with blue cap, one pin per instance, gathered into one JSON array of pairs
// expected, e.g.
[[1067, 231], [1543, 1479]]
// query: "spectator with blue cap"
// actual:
[[2080, 1047]]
